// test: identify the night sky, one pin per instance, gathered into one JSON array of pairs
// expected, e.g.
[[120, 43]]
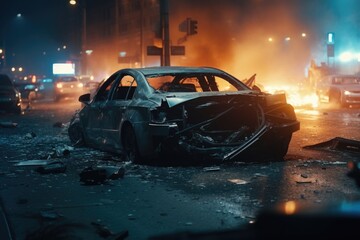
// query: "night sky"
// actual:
[[45, 25], [33, 38]]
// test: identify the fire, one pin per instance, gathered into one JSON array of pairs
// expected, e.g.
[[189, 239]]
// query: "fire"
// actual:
[[295, 95]]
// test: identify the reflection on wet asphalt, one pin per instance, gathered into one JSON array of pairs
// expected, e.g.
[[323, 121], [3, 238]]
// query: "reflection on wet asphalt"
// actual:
[[162, 199]]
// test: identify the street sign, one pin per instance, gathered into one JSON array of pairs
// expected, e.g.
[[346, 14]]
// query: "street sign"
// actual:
[[128, 59], [330, 50], [154, 51], [177, 50]]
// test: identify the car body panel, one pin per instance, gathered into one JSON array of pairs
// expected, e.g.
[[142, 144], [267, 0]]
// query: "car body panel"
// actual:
[[340, 89], [10, 96], [204, 113], [67, 86]]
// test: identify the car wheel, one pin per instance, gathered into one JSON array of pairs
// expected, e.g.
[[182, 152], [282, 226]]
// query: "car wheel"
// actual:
[[281, 148], [130, 146], [56, 99], [76, 134], [18, 110]]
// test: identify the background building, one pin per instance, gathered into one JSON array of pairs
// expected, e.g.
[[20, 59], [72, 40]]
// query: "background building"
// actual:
[[116, 35]]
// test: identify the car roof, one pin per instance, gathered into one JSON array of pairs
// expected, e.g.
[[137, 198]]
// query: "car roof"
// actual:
[[176, 69], [344, 75]]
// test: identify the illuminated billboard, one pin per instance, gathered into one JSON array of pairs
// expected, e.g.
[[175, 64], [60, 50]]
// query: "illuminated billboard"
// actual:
[[64, 68]]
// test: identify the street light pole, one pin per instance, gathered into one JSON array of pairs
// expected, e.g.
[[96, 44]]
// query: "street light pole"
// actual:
[[165, 32], [83, 35], [84, 39]]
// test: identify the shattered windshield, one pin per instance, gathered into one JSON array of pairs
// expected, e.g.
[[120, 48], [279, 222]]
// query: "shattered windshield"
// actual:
[[193, 83]]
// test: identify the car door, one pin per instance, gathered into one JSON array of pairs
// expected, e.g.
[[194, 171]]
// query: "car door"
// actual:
[[95, 113], [115, 108]]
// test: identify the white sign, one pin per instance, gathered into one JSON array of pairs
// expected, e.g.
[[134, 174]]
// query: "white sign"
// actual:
[[64, 68]]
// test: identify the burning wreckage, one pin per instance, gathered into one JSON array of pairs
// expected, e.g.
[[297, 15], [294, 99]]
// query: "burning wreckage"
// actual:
[[197, 113]]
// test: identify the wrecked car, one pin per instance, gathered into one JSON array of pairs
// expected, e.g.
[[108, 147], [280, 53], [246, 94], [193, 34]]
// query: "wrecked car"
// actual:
[[199, 113], [10, 96]]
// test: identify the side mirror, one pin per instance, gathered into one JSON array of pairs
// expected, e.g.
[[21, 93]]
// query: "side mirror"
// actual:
[[85, 98]]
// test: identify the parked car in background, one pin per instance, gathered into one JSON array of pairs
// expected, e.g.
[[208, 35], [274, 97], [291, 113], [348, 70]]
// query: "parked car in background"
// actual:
[[197, 113], [340, 90], [89, 83], [28, 88], [10, 97], [45, 88], [67, 86]]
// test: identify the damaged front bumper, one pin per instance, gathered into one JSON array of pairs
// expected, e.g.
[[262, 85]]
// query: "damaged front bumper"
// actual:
[[227, 130], [262, 144]]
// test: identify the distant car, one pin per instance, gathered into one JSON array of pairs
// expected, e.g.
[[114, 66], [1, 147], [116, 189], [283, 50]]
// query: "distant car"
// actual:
[[28, 89], [197, 113], [10, 97], [45, 88], [341, 90], [67, 87]]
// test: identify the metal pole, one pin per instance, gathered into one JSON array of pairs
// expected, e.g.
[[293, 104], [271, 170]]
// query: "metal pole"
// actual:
[[83, 42], [164, 17], [142, 34]]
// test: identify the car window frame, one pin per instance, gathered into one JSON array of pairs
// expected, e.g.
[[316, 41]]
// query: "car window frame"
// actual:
[[118, 84]]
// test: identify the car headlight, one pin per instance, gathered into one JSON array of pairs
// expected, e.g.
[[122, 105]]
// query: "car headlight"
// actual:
[[158, 117], [80, 85], [59, 85], [347, 92]]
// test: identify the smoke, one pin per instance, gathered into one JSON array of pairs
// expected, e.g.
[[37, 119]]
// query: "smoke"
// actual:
[[246, 37]]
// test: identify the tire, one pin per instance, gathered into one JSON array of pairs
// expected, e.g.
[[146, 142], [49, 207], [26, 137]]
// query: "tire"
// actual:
[[130, 146], [76, 135], [281, 148], [334, 99], [18, 110], [57, 98]]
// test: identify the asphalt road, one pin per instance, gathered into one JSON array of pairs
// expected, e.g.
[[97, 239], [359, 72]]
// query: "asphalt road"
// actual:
[[155, 200]]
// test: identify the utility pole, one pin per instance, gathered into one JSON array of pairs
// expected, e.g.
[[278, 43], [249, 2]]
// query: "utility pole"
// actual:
[[165, 32], [84, 38]]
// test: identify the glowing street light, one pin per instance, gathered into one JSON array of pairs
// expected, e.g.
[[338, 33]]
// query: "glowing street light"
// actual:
[[83, 35]]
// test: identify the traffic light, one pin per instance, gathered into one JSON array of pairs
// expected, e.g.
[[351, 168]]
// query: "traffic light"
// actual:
[[192, 27]]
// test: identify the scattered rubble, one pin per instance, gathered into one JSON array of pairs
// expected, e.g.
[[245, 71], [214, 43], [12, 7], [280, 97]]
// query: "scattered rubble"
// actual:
[[304, 178], [100, 174], [238, 181], [59, 125], [30, 135], [104, 232], [338, 143], [211, 169], [8, 124], [55, 167]]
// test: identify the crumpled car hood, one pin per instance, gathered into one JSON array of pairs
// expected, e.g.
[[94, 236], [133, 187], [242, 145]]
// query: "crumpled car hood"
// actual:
[[175, 99]]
